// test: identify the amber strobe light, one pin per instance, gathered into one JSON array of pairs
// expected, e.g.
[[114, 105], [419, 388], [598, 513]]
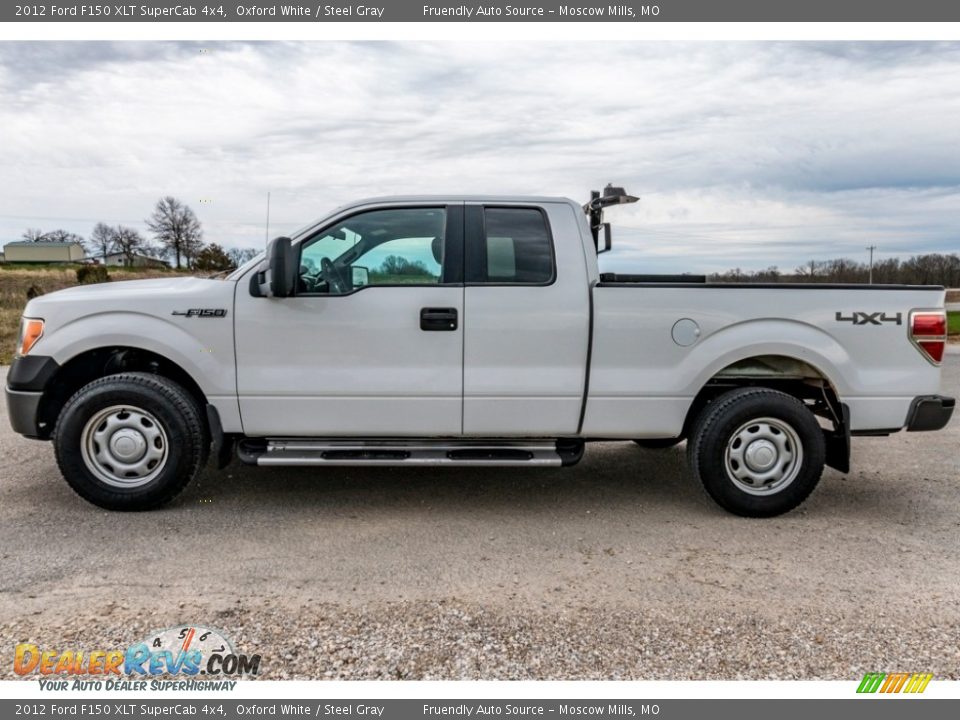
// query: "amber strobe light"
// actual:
[[928, 331], [30, 331]]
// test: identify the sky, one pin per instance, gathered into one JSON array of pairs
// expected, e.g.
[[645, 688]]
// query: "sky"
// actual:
[[743, 154]]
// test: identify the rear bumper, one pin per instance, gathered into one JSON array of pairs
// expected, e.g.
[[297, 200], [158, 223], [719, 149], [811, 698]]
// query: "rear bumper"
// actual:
[[930, 412], [22, 408]]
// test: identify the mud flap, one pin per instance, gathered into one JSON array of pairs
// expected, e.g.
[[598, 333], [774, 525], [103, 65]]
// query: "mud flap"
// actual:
[[838, 443], [221, 446]]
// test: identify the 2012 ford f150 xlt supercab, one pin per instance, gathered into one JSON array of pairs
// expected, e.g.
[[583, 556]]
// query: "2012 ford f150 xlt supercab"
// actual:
[[469, 331]]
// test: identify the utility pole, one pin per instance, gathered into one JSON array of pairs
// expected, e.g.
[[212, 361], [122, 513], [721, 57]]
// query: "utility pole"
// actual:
[[871, 248]]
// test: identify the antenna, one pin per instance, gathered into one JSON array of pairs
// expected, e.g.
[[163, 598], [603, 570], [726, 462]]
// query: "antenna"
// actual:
[[268, 217], [871, 248]]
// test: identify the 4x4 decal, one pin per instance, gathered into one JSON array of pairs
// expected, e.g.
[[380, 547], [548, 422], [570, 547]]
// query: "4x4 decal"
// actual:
[[877, 318]]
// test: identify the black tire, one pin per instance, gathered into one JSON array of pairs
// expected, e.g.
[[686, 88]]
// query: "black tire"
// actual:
[[730, 418], [185, 442], [659, 443]]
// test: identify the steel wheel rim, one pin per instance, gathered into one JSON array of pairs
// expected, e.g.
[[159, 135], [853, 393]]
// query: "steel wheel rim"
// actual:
[[763, 456], [124, 446]]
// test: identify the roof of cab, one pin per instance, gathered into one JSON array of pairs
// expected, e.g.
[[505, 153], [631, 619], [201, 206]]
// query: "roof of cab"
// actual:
[[436, 199], [387, 199]]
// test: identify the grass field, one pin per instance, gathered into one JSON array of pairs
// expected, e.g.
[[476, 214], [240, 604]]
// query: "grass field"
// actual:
[[16, 281], [953, 323]]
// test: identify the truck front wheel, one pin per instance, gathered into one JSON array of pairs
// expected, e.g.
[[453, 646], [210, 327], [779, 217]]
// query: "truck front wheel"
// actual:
[[131, 441], [758, 452]]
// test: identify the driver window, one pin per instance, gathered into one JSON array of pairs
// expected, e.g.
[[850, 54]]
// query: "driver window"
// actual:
[[402, 246]]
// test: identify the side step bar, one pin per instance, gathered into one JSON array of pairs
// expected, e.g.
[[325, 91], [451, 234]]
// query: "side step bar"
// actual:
[[432, 453]]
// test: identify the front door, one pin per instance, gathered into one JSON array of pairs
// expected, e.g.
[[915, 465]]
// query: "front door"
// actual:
[[371, 345]]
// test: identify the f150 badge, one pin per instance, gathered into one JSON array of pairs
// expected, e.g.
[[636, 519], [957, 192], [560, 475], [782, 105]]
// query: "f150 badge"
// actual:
[[202, 312], [862, 318]]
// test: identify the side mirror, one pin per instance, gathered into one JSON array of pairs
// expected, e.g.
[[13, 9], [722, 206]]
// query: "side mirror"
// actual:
[[277, 274], [361, 276], [607, 239]]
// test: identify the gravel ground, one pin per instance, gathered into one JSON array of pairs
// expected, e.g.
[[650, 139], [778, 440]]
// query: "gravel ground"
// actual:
[[444, 640], [618, 568]]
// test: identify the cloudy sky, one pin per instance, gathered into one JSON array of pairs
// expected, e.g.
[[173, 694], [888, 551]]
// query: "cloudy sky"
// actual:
[[744, 154]]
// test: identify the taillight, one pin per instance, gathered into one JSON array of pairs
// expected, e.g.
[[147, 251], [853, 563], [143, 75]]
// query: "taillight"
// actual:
[[928, 331]]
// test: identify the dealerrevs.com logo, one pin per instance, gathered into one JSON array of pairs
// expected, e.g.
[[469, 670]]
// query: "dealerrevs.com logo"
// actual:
[[187, 651]]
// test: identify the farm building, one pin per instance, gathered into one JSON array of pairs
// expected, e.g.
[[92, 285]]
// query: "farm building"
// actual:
[[23, 251], [139, 260]]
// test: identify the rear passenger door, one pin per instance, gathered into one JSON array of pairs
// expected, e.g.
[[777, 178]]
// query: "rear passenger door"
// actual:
[[527, 320]]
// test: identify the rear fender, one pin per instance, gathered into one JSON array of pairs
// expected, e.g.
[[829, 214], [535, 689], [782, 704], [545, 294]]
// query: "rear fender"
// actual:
[[749, 339]]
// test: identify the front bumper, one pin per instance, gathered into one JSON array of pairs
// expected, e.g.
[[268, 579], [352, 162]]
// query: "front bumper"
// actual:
[[22, 406], [930, 412], [26, 381]]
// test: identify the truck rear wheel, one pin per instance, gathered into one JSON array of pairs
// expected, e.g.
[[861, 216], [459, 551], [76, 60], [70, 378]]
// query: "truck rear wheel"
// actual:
[[131, 441], [758, 452]]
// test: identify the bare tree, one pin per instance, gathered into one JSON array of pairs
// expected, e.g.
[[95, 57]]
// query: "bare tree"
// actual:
[[32, 235], [238, 256], [770, 275], [153, 250], [129, 242], [929, 269], [886, 270], [35, 235], [191, 249], [176, 228], [808, 271], [62, 236], [101, 240]]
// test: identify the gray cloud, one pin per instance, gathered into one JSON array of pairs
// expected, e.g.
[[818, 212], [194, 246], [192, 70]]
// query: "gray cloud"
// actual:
[[746, 154]]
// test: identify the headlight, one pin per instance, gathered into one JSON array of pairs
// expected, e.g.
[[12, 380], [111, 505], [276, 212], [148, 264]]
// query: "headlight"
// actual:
[[31, 330]]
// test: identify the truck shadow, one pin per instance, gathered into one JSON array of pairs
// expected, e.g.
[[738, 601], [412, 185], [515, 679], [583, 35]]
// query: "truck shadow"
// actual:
[[610, 474]]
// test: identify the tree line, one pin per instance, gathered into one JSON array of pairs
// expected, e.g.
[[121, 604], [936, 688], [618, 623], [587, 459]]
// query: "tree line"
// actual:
[[928, 269], [177, 236]]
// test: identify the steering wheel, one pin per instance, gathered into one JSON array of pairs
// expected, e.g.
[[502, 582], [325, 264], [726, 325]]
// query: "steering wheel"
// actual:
[[338, 285]]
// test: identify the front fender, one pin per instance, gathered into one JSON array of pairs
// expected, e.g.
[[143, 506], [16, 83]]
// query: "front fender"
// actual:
[[203, 349]]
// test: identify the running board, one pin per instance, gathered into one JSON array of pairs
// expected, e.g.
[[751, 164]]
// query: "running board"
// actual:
[[390, 453]]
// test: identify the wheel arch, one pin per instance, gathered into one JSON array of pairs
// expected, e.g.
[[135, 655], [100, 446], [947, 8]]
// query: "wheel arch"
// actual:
[[790, 374], [98, 362]]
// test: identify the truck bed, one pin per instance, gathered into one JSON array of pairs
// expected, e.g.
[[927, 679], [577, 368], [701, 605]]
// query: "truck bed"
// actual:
[[641, 379]]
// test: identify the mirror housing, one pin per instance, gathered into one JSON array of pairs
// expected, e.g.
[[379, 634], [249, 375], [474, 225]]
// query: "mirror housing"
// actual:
[[277, 274]]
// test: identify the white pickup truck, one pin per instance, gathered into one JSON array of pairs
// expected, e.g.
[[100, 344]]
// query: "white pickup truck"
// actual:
[[469, 331]]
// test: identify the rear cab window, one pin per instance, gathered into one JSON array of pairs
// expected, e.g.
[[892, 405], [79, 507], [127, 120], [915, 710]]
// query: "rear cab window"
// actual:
[[509, 246]]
